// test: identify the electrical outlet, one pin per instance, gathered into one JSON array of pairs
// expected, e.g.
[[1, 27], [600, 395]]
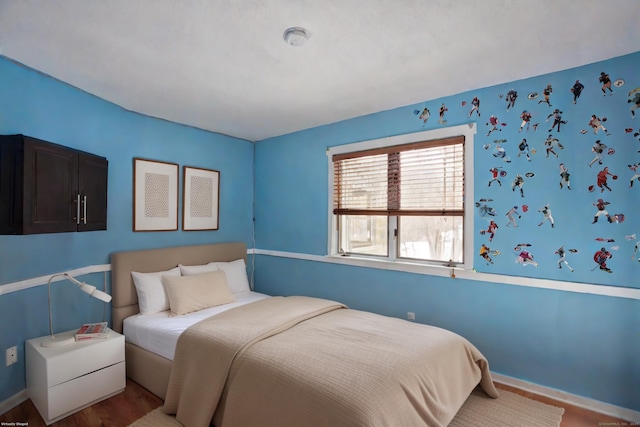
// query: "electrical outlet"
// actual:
[[11, 355], [411, 315]]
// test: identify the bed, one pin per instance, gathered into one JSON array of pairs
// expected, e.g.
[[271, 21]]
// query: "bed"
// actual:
[[287, 361]]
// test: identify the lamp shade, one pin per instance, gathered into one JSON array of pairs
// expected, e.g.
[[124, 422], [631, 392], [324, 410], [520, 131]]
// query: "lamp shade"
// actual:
[[102, 296], [91, 290]]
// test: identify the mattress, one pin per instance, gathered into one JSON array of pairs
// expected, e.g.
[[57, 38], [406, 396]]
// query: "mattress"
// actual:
[[159, 332]]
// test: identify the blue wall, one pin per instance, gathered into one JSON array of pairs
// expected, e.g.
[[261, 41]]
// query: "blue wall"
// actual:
[[582, 344], [39, 106]]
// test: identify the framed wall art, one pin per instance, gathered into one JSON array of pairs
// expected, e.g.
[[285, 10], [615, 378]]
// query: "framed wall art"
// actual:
[[155, 195], [201, 197]]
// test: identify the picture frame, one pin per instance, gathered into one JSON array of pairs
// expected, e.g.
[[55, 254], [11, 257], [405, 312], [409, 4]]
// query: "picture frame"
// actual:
[[155, 195], [200, 199]]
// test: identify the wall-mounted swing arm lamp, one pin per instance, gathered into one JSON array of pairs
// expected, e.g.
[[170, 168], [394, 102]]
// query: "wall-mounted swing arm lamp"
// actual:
[[52, 341]]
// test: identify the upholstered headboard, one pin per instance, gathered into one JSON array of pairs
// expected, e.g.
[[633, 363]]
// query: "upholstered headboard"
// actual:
[[125, 299]]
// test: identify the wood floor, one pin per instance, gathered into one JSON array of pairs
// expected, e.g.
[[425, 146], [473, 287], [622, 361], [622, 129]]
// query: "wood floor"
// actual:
[[126, 407]]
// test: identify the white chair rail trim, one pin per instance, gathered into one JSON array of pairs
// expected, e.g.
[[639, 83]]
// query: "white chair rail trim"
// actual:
[[42, 280], [586, 288]]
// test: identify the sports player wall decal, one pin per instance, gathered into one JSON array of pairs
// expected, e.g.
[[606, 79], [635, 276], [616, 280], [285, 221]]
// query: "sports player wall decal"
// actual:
[[606, 83], [576, 90], [605, 117], [561, 252]]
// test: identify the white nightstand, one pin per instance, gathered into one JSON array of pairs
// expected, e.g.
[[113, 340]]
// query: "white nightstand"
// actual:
[[63, 380]]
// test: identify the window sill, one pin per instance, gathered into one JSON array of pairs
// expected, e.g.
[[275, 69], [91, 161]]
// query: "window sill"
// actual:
[[406, 266]]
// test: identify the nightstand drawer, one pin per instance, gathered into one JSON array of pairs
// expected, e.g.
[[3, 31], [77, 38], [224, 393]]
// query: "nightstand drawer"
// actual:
[[87, 356], [71, 396]]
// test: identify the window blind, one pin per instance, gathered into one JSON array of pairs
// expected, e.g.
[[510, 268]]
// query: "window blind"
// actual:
[[423, 178]]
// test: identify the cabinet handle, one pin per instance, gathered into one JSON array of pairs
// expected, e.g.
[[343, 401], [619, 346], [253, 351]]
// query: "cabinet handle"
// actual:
[[78, 209], [84, 209]]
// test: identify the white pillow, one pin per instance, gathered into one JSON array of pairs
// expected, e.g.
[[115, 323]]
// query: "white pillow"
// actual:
[[190, 270], [152, 297], [187, 294], [236, 272]]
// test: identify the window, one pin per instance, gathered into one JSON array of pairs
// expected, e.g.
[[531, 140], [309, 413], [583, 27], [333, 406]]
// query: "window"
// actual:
[[401, 198]]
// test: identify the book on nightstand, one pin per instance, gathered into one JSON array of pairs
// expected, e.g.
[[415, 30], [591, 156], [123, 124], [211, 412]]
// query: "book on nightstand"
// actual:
[[91, 331]]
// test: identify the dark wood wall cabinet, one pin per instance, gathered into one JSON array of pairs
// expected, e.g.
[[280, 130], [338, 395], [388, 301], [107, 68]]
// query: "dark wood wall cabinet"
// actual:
[[49, 188]]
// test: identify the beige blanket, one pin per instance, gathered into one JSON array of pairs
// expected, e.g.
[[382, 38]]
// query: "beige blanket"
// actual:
[[299, 361]]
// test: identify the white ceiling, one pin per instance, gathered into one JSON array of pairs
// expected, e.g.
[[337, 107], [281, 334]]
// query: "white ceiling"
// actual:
[[223, 65]]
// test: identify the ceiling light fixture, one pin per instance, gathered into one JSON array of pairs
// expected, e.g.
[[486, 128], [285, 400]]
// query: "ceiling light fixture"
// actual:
[[296, 36]]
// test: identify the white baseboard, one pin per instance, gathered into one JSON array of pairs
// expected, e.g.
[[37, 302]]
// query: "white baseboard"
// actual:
[[13, 401], [571, 399]]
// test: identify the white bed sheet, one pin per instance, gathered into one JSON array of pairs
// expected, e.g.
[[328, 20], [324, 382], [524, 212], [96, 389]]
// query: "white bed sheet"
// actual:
[[159, 332]]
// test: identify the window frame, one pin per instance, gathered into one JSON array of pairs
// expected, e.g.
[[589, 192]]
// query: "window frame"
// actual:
[[467, 131]]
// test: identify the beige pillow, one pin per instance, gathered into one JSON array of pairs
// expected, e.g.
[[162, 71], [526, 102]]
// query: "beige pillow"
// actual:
[[187, 294]]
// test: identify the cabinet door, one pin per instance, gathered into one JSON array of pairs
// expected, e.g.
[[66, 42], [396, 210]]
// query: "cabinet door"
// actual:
[[92, 188], [11, 179], [50, 188]]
